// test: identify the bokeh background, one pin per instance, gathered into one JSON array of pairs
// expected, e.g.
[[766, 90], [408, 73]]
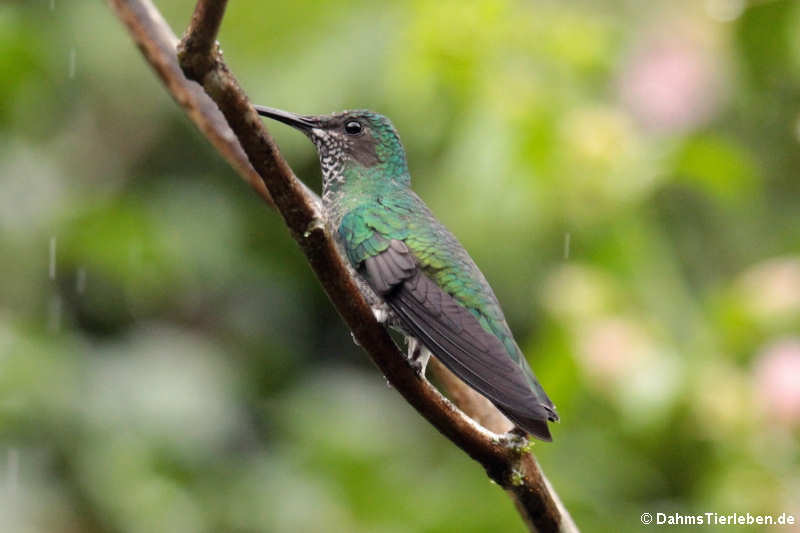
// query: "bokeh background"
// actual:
[[627, 175]]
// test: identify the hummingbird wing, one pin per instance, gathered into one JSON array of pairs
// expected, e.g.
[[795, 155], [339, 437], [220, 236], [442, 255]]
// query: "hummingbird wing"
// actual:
[[455, 336]]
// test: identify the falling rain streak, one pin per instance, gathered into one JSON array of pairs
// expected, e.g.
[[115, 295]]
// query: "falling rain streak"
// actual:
[[12, 471], [52, 5], [80, 280], [52, 268], [72, 60], [797, 128], [567, 238]]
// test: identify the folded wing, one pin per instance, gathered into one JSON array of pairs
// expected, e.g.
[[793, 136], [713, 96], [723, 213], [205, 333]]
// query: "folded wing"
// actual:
[[455, 336]]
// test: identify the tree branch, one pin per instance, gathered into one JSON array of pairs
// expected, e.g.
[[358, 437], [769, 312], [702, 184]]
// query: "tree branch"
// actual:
[[240, 136]]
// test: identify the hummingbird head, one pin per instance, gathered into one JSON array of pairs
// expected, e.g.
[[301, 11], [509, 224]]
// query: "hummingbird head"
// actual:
[[351, 144]]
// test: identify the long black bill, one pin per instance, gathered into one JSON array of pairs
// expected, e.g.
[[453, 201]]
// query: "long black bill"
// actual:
[[300, 122]]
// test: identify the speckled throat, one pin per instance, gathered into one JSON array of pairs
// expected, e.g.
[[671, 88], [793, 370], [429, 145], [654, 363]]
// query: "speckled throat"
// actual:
[[331, 161]]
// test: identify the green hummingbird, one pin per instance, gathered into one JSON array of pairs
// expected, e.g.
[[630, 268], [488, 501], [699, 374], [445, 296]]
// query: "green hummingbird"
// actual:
[[414, 273]]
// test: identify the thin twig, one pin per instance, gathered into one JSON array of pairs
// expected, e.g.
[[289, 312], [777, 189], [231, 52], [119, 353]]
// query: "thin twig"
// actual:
[[201, 36], [157, 43], [505, 461]]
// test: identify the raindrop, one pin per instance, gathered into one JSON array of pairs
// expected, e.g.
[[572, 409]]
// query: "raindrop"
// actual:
[[52, 269], [72, 59], [80, 280], [12, 480], [52, 5], [355, 341], [567, 238], [54, 314], [388, 383]]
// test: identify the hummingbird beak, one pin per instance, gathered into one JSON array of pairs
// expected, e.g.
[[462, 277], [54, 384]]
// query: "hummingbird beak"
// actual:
[[301, 122]]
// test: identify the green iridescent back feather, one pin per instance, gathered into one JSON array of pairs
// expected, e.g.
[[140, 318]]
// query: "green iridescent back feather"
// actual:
[[400, 214]]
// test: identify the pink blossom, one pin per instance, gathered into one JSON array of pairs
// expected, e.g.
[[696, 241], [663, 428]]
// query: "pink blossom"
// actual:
[[771, 289], [777, 380], [670, 84], [609, 349]]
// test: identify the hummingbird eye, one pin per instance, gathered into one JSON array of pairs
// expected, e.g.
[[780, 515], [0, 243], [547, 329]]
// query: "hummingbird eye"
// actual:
[[353, 127]]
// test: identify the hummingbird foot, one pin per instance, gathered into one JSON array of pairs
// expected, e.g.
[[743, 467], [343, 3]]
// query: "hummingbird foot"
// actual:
[[418, 356], [381, 313]]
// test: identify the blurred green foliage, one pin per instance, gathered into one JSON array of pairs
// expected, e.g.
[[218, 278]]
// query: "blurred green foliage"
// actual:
[[625, 173]]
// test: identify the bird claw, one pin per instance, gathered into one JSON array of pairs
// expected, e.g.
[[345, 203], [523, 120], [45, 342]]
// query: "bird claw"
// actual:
[[419, 367], [418, 356], [381, 315]]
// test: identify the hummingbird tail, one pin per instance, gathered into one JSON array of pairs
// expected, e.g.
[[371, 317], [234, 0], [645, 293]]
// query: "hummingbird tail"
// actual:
[[535, 426]]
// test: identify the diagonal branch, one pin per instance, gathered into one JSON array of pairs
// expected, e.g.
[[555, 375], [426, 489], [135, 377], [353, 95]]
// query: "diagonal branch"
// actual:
[[240, 136]]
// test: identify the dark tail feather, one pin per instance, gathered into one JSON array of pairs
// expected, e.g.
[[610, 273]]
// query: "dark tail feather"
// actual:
[[535, 426]]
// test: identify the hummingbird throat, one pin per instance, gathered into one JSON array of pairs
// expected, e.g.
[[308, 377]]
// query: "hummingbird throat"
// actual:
[[348, 182]]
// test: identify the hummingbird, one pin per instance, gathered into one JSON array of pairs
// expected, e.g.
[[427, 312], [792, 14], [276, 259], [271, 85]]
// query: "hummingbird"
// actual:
[[420, 279]]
